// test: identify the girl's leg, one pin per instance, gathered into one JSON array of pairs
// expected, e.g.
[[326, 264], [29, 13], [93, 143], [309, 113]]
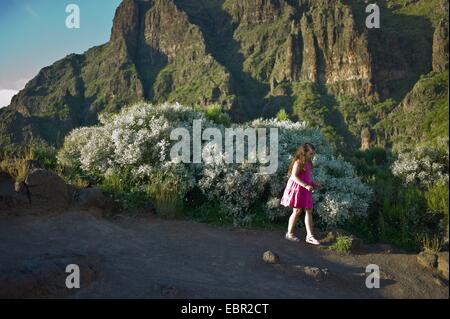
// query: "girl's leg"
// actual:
[[293, 220], [309, 222]]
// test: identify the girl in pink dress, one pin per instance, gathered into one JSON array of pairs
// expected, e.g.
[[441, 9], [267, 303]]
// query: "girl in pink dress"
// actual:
[[298, 192]]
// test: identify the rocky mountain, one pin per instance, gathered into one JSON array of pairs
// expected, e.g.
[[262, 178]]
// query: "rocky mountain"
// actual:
[[423, 115], [310, 57]]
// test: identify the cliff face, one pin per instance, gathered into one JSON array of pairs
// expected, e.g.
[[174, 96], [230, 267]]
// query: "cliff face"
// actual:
[[323, 46], [247, 55], [440, 41], [422, 115]]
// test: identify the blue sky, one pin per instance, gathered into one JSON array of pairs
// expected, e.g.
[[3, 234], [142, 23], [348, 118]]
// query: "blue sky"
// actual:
[[33, 34]]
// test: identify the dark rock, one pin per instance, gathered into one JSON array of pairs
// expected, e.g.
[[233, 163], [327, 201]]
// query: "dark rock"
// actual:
[[356, 243], [7, 190], [48, 188], [22, 192]]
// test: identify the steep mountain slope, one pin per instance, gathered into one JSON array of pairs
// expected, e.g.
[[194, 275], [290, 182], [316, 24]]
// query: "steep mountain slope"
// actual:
[[423, 114], [254, 57]]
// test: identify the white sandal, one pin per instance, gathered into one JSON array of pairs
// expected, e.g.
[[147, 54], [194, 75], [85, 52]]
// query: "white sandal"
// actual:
[[292, 237], [311, 240]]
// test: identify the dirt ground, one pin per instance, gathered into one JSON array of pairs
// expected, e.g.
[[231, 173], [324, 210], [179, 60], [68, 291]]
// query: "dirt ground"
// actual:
[[148, 257]]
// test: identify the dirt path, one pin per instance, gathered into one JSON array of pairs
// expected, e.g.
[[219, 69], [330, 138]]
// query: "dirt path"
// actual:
[[153, 258]]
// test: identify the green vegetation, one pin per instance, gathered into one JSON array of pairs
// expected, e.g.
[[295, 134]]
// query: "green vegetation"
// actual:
[[167, 190], [428, 9], [437, 197], [343, 244], [14, 160], [319, 109], [282, 115], [424, 113], [215, 113], [400, 214], [431, 245]]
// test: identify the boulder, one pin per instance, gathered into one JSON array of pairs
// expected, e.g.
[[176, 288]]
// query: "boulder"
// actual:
[[427, 260], [356, 243], [443, 264], [271, 257], [88, 198], [7, 190], [48, 188], [22, 193]]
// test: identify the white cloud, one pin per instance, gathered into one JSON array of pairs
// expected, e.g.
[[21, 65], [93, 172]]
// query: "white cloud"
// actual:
[[5, 97]]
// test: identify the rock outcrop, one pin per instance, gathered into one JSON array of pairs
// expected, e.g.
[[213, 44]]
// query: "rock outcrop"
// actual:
[[47, 188], [45, 191], [440, 42], [7, 190]]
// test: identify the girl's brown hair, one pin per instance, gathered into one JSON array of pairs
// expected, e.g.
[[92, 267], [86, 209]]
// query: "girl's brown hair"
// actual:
[[300, 156]]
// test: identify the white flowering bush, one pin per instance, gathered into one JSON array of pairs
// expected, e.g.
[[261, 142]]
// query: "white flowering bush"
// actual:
[[135, 141], [135, 145], [132, 147], [344, 196], [422, 166], [236, 186]]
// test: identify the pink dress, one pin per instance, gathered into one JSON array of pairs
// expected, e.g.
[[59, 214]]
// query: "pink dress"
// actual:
[[296, 196]]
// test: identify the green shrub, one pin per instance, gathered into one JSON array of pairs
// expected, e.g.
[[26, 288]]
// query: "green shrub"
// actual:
[[403, 217], [168, 189], [210, 212], [16, 167], [431, 245], [14, 160], [282, 115], [216, 114], [343, 244], [43, 153], [437, 198], [113, 183]]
